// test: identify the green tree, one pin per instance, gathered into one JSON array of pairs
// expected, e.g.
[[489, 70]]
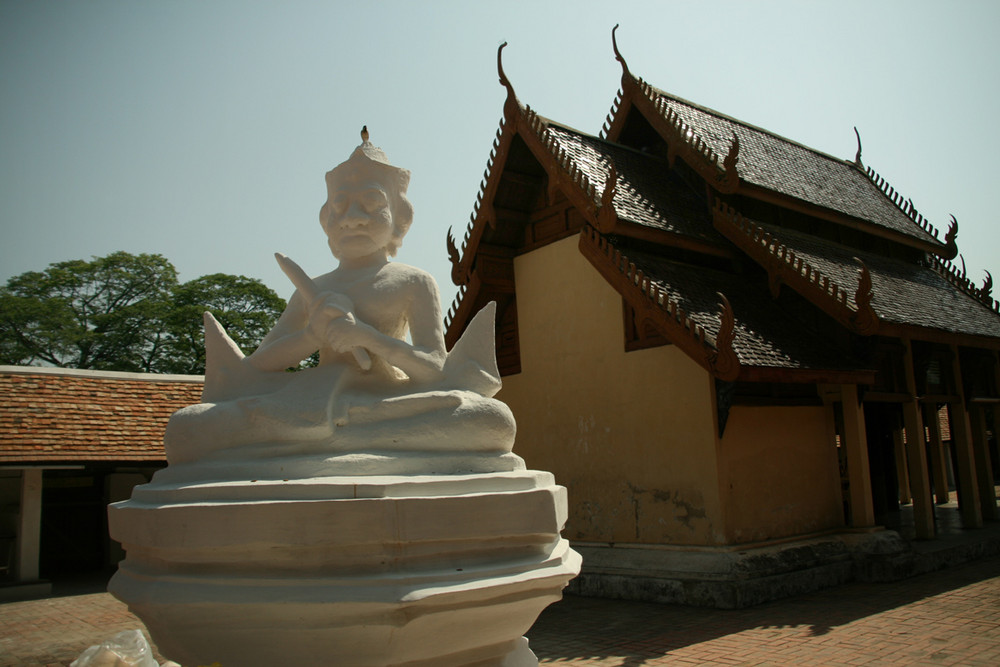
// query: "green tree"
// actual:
[[246, 307], [102, 314], [126, 312]]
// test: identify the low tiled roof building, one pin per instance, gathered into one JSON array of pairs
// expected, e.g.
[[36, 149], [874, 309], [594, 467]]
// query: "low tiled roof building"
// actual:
[[72, 441], [721, 340]]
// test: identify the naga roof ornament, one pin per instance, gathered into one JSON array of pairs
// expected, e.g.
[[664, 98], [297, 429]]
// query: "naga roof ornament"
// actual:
[[618, 54], [949, 239], [865, 320], [652, 303], [511, 107], [730, 178], [857, 156], [606, 215]]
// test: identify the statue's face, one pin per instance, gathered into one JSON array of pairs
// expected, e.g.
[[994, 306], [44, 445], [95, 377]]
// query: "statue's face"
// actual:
[[359, 220]]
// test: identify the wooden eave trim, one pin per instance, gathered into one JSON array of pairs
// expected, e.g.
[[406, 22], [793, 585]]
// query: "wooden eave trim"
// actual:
[[682, 141], [615, 121], [607, 220], [559, 167], [807, 375], [665, 238], [483, 214], [784, 267], [939, 398], [653, 306], [67, 458], [960, 281], [885, 397], [928, 335], [927, 399], [769, 196], [461, 311]]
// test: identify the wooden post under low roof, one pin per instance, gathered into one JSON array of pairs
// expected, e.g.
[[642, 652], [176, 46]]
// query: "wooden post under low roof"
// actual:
[[29, 526], [984, 468], [902, 470], [939, 464], [855, 443], [916, 454], [961, 437]]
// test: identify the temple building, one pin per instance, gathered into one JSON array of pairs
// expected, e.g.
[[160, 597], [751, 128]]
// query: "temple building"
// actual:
[[72, 441], [735, 351]]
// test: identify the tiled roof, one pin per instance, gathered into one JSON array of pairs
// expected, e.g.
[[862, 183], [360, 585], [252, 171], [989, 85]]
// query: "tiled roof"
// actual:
[[766, 335], [778, 164], [52, 415], [648, 193], [902, 292]]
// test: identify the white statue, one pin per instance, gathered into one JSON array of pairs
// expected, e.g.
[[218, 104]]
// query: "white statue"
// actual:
[[366, 512], [373, 390]]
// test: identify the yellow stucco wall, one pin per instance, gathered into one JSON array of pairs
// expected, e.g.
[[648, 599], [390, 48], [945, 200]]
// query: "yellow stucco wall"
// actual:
[[779, 473], [632, 436]]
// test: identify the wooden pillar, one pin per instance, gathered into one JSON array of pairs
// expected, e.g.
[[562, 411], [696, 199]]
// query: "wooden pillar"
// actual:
[[902, 474], [939, 464], [29, 532], [961, 437], [916, 454], [984, 467], [855, 444]]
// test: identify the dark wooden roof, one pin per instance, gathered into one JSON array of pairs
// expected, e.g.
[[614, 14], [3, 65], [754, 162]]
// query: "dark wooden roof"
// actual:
[[770, 161], [903, 293], [920, 299], [658, 199], [712, 313], [61, 415], [647, 191]]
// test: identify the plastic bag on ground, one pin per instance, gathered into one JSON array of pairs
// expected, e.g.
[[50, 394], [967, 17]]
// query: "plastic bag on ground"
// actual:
[[126, 649]]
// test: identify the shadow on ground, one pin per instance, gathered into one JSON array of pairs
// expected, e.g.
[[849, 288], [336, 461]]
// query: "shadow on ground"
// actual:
[[588, 628]]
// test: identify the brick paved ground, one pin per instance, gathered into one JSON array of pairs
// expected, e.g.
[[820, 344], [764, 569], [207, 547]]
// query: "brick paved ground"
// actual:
[[950, 617]]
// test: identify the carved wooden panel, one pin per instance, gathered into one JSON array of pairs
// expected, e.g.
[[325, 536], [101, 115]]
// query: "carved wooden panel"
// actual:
[[496, 270], [508, 344], [549, 228], [640, 336]]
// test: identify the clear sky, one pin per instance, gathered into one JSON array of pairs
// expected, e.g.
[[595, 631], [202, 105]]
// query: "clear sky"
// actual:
[[202, 130]]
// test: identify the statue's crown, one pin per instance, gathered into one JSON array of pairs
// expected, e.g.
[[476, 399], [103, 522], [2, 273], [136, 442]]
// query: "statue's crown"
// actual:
[[368, 160]]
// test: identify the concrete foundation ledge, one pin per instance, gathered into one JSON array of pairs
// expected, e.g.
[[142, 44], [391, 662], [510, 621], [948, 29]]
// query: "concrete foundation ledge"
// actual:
[[25, 590], [733, 578]]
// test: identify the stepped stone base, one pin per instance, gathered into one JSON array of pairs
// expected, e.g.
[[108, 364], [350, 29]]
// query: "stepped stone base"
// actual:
[[737, 578], [380, 570]]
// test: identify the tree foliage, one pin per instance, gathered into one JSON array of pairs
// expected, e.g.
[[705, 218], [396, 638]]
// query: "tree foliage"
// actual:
[[126, 312], [246, 307]]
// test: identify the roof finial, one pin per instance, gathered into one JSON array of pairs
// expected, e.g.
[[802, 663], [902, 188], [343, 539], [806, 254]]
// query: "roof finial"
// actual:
[[504, 81], [511, 106], [731, 175], [364, 133], [951, 247], [857, 156], [618, 55]]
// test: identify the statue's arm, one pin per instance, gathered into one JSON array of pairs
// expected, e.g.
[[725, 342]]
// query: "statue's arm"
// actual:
[[423, 359], [289, 342]]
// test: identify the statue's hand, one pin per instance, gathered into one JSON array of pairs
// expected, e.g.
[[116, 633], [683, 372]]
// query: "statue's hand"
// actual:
[[325, 309], [345, 334]]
